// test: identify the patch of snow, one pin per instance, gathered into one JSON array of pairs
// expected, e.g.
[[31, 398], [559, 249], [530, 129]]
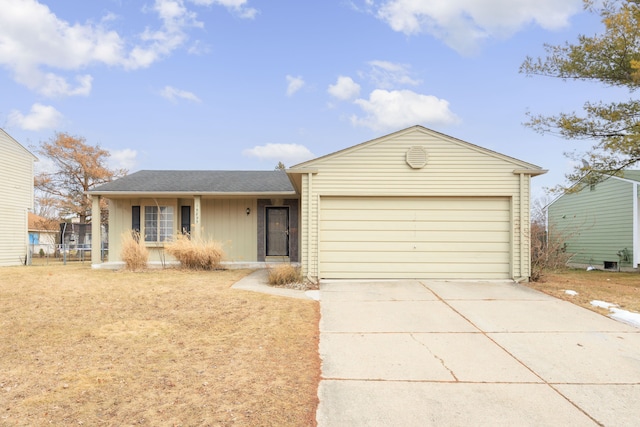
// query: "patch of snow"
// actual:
[[590, 268], [602, 304], [625, 316], [570, 292], [314, 295], [618, 314]]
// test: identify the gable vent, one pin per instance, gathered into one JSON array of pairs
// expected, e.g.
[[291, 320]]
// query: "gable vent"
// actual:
[[417, 157]]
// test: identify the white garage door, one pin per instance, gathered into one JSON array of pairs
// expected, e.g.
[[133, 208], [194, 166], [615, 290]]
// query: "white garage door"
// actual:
[[435, 237]]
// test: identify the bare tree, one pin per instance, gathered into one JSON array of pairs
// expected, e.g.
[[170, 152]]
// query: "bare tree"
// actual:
[[79, 167]]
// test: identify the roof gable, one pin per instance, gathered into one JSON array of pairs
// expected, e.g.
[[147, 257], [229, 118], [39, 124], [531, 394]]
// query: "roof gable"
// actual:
[[626, 177], [199, 182], [419, 130], [5, 136], [633, 175]]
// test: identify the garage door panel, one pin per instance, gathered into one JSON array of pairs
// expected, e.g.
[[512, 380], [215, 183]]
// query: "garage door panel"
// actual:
[[409, 257], [404, 246], [413, 226], [412, 214], [412, 270], [439, 237], [397, 203], [410, 236]]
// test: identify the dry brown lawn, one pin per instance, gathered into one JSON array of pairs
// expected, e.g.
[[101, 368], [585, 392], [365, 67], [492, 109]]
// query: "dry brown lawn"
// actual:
[[158, 348], [617, 288]]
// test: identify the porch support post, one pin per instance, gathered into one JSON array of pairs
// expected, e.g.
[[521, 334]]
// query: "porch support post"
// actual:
[[96, 235], [196, 229], [525, 236]]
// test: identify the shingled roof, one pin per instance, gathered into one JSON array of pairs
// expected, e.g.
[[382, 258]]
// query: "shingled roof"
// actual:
[[199, 182]]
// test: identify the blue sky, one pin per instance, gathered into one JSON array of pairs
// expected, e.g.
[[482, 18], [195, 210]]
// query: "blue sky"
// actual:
[[243, 84]]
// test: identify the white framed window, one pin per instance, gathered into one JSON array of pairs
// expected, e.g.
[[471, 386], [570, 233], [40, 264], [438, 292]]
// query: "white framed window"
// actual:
[[158, 223]]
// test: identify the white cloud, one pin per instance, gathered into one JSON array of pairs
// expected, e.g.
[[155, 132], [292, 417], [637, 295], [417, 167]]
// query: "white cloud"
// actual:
[[33, 39], [401, 108], [237, 6], [344, 89], [464, 24], [388, 75], [123, 159], [39, 117], [172, 94], [294, 84], [54, 86], [175, 18], [289, 154]]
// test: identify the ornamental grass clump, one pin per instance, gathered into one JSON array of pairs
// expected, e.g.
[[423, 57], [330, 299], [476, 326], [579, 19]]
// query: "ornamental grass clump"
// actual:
[[284, 275], [134, 253], [196, 254]]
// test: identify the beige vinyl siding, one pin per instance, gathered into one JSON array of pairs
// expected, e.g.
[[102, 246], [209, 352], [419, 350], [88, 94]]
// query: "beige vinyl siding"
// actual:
[[595, 223], [119, 223], [433, 237], [16, 198], [454, 169], [226, 221], [223, 220]]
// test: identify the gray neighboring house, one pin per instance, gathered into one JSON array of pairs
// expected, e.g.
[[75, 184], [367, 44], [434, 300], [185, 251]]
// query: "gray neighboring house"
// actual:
[[599, 223], [16, 199]]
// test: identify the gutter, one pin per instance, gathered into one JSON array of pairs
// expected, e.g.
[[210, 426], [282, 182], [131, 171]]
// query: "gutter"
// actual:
[[152, 194]]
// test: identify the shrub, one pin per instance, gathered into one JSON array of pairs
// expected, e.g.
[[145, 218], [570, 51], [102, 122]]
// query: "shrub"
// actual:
[[196, 254], [284, 274], [548, 251], [134, 253]]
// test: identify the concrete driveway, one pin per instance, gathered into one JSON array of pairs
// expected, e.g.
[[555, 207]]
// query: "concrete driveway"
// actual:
[[420, 353]]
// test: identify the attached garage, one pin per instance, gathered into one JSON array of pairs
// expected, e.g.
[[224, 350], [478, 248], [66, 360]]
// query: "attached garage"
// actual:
[[414, 204], [437, 237]]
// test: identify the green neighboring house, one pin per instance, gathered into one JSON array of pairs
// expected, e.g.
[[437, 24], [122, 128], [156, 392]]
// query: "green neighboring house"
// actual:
[[599, 223]]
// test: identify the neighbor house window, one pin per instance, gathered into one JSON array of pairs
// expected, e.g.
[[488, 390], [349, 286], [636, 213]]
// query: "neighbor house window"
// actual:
[[158, 223]]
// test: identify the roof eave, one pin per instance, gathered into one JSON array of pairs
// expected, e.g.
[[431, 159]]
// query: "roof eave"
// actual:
[[532, 172], [190, 193]]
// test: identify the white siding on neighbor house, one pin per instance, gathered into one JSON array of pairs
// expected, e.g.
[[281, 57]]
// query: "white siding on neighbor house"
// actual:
[[16, 198], [222, 220], [412, 237], [454, 169]]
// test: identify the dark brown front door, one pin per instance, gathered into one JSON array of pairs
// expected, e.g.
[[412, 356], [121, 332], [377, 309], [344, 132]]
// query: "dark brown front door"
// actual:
[[278, 231]]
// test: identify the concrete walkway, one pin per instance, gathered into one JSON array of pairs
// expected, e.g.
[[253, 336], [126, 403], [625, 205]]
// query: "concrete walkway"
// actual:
[[421, 353]]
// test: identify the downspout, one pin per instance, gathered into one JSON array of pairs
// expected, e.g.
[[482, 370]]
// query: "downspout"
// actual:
[[318, 237], [521, 234], [636, 237], [308, 227], [529, 173]]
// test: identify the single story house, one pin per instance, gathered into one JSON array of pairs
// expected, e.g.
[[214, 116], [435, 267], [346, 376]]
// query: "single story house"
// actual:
[[16, 199], [42, 235], [412, 204], [598, 223]]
